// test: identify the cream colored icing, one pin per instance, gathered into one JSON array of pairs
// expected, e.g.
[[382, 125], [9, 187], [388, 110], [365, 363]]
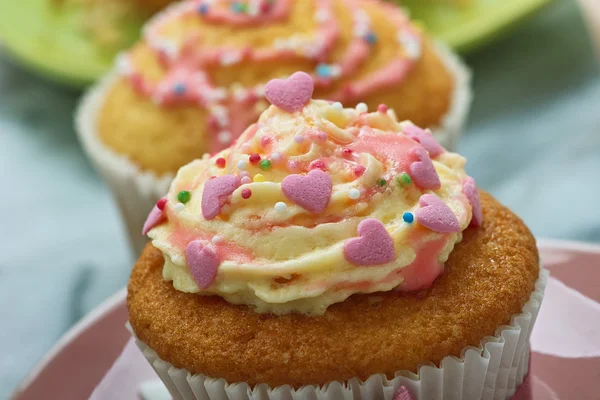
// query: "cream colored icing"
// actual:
[[293, 260]]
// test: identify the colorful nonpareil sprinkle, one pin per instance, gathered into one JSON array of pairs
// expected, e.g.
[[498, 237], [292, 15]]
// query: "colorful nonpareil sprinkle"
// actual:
[[382, 108], [246, 193], [184, 196], [254, 158], [220, 162], [403, 179], [280, 206], [354, 193], [265, 165], [259, 178], [408, 217]]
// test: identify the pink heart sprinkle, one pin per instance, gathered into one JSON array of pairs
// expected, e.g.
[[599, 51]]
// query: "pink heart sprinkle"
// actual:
[[311, 192], [156, 217], [470, 190], [215, 192], [203, 262], [403, 394], [290, 94], [436, 215], [422, 171], [426, 140], [374, 246]]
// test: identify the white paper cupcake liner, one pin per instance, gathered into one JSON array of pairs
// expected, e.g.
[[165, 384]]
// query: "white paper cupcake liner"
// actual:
[[494, 370], [136, 191]]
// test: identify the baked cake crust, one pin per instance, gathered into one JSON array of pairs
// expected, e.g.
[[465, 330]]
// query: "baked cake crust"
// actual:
[[488, 278]]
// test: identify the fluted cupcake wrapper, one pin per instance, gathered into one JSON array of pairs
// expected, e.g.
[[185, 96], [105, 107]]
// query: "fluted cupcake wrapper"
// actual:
[[494, 370], [136, 191]]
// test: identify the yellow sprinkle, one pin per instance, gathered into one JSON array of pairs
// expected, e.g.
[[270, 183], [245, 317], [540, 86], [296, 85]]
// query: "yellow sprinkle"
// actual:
[[259, 178]]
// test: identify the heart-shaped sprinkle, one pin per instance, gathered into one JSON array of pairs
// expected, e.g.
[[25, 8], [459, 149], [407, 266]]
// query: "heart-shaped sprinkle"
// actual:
[[436, 215], [156, 217], [374, 246], [403, 394], [215, 193], [290, 94], [203, 261], [311, 192], [426, 140], [422, 171], [470, 190]]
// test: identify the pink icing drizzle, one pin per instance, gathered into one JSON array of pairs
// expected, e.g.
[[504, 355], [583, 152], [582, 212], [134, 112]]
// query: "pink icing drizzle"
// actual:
[[187, 80], [421, 273]]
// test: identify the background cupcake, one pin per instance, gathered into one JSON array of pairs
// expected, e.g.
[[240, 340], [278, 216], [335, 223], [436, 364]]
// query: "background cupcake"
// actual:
[[196, 80], [328, 253]]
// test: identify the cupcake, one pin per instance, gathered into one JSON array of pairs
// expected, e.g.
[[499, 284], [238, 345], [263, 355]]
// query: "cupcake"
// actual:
[[196, 81], [333, 253]]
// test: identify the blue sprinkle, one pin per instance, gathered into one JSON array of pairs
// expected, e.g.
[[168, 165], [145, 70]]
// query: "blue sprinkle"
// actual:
[[179, 88], [237, 7], [323, 70], [203, 9], [371, 38], [408, 217]]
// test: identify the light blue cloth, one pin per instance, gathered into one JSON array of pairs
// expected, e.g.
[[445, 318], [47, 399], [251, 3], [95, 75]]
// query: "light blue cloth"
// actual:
[[533, 141]]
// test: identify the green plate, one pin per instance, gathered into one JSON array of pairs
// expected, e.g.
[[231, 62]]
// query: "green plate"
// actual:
[[50, 41], [465, 28]]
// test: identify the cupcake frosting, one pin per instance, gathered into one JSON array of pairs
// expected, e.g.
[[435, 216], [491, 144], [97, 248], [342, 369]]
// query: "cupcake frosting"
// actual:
[[314, 203], [191, 50]]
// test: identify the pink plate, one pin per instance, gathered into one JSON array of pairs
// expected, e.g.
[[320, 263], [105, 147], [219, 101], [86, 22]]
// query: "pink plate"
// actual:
[[566, 346]]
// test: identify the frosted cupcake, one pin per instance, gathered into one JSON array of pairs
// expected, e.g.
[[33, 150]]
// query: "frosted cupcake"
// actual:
[[334, 253], [196, 81]]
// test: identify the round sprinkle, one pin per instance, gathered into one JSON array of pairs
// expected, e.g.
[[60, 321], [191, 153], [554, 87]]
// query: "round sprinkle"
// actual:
[[259, 178], [381, 182], [178, 207], [404, 179], [382, 108], [246, 193], [280, 206], [347, 152], [254, 158], [354, 194], [276, 157], [408, 217], [244, 173], [322, 136], [362, 108], [337, 106], [224, 137], [242, 164], [359, 170], [323, 70], [203, 9], [245, 180], [265, 165], [184, 196], [179, 88], [221, 162], [371, 38], [160, 204], [298, 138], [217, 239]]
